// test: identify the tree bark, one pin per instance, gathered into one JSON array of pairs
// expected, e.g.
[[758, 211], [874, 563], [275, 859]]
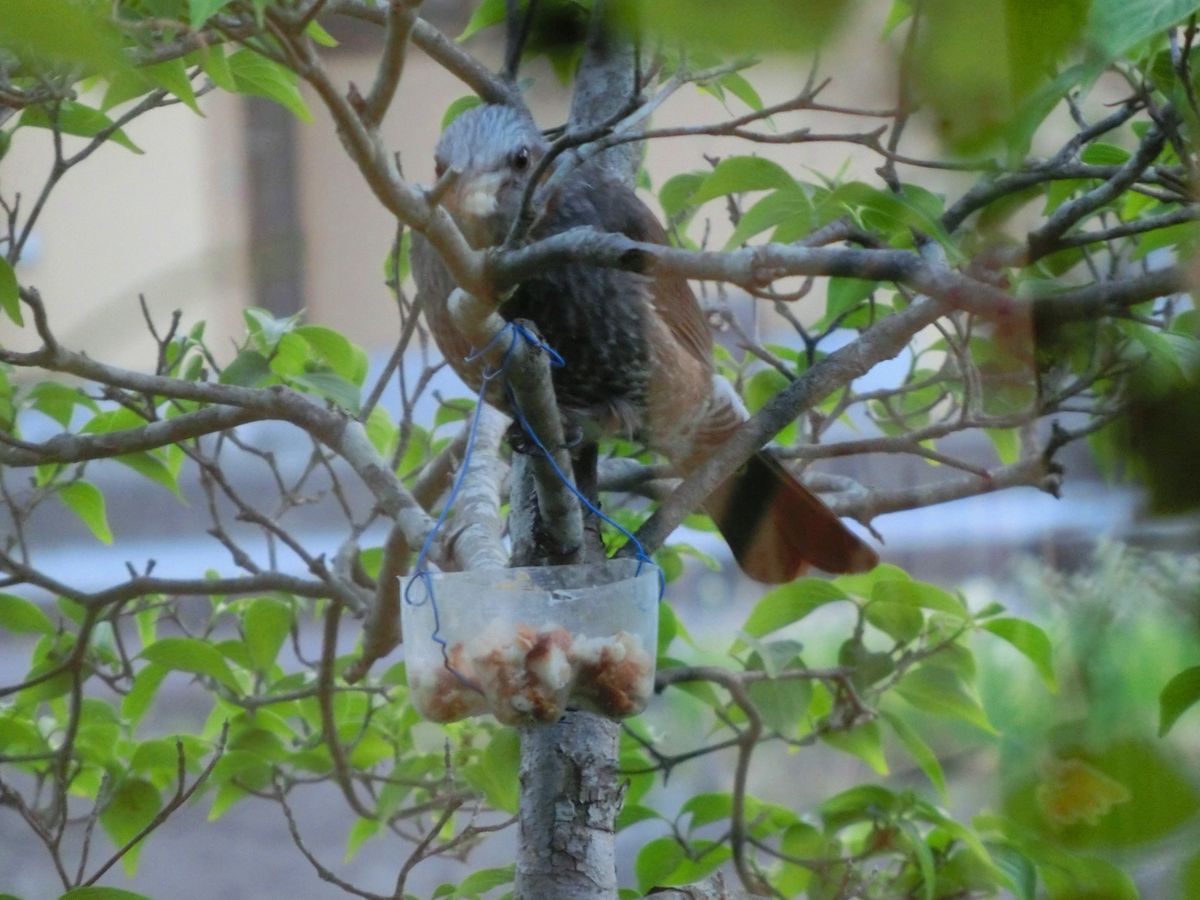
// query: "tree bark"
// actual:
[[570, 797], [570, 792]]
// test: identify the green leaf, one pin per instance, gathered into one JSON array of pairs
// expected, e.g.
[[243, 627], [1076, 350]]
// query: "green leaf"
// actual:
[[345, 358], [1099, 153], [632, 813], [924, 855], [359, 832], [918, 593], [191, 655], [96, 892], [1181, 693], [920, 751], [200, 11], [707, 808], [787, 604], [908, 209], [1087, 877], [23, 617], [486, 879], [762, 386], [141, 694], [843, 295], [59, 401], [676, 192], [496, 772], [863, 585], [266, 625], [85, 500], [736, 84], [319, 35], [10, 294], [62, 31], [656, 861], [1030, 640], [216, 67], [738, 174], [150, 466], [788, 205], [331, 387], [1019, 869], [133, 806], [172, 76], [895, 619], [248, 369], [782, 704], [865, 742], [1115, 26], [486, 14], [257, 75], [458, 107], [942, 692], [77, 119], [866, 801], [1007, 442]]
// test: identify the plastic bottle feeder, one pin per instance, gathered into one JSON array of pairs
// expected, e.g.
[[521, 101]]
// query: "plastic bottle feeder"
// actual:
[[524, 644]]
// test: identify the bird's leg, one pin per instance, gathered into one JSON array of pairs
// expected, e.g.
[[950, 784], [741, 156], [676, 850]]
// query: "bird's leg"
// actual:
[[585, 457], [520, 441]]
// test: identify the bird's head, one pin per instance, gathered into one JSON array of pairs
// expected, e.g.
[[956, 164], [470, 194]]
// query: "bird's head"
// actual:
[[494, 150]]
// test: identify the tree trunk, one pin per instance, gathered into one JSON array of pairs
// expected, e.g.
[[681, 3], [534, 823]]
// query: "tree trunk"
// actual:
[[570, 790]]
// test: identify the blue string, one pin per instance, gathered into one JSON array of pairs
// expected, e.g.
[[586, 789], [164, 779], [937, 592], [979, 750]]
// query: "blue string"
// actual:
[[421, 573]]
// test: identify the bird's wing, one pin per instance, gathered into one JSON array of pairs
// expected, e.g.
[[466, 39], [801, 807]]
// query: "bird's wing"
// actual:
[[622, 211]]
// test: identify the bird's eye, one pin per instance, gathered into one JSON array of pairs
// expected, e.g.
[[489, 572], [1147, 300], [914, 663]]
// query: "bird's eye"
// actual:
[[520, 159], [439, 168]]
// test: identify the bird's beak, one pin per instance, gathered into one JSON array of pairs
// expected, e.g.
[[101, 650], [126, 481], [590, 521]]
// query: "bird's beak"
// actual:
[[472, 201]]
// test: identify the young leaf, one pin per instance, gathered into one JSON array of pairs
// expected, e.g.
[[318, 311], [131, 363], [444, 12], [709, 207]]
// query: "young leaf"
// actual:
[[920, 751], [656, 861], [132, 807], [496, 772], [85, 500], [1181, 693], [865, 742], [141, 694], [789, 603], [486, 879], [200, 11], [787, 205], [1114, 26], [1030, 640], [97, 892], [255, 74], [22, 617], [77, 119], [191, 655], [941, 692], [266, 625], [458, 107], [487, 14], [10, 299], [345, 358], [172, 76], [738, 174]]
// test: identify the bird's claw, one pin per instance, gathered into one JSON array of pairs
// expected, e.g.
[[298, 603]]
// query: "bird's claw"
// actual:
[[522, 442]]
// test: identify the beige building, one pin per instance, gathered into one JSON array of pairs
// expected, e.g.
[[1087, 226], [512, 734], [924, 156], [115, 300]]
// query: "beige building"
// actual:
[[246, 205]]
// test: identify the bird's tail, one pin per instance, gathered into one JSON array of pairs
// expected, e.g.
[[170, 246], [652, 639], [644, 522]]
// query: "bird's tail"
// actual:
[[777, 528]]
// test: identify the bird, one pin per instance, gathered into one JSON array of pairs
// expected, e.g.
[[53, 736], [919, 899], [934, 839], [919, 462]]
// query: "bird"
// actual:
[[637, 347]]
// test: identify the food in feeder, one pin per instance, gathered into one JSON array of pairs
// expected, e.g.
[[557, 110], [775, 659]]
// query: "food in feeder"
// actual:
[[615, 674], [524, 675], [447, 694]]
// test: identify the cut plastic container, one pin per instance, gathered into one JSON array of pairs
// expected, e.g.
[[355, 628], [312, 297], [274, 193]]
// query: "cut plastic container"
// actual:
[[524, 644]]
